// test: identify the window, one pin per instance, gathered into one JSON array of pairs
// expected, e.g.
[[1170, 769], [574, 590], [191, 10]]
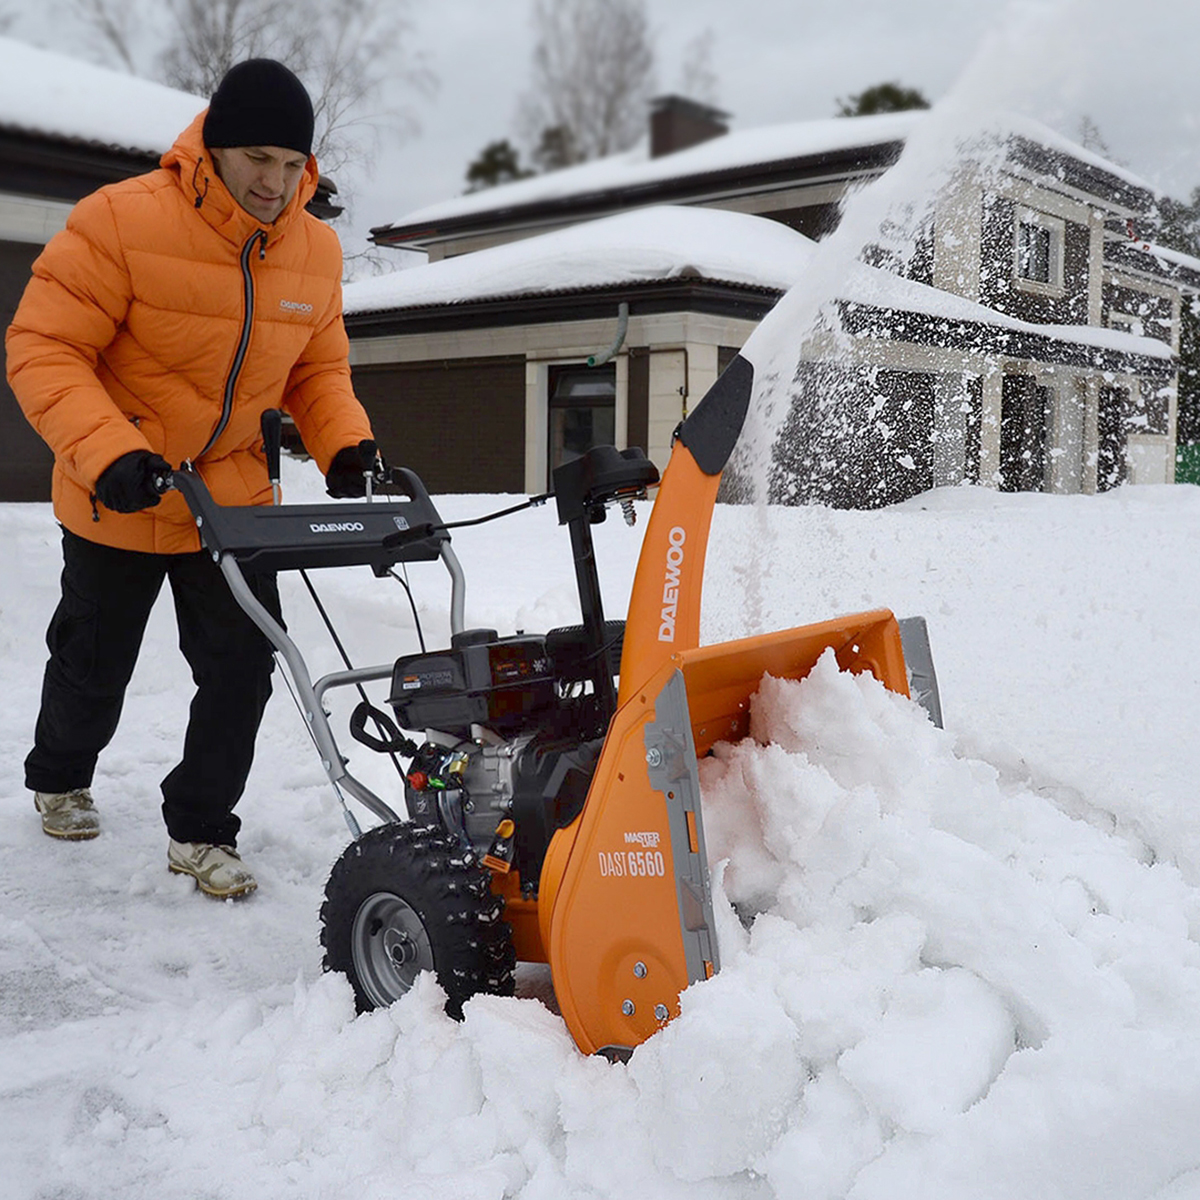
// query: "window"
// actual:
[[582, 410], [1033, 252], [1126, 323], [1039, 252]]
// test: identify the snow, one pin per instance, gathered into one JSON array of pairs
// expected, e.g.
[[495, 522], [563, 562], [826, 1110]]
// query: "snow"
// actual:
[[632, 168], [674, 241], [955, 963], [663, 242], [48, 93], [1166, 256], [959, 963], [734, 151]]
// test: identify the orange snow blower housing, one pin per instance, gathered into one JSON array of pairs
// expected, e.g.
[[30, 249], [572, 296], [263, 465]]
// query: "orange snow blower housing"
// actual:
[[553, 807], [625, 908]]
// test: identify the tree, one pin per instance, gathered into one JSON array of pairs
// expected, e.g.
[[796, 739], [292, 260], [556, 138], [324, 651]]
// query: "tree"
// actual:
[[1176, 225], [555, 149], [593, 75], [1090, 138], [498, 162], [697, 76], [347, 52], [882, 98]]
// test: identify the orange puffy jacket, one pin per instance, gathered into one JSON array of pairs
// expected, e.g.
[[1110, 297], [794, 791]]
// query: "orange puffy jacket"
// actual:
[[166, 317]]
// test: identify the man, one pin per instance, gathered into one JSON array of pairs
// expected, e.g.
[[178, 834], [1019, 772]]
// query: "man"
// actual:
[[173, 310]]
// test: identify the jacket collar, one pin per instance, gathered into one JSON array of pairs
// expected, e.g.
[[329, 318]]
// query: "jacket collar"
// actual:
[[191, 163]]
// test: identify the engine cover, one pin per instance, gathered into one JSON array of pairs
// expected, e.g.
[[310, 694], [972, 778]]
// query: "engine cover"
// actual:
[[471, 788], [501, 683]]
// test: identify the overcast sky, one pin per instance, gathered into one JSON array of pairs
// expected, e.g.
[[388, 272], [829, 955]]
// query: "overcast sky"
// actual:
[[1134, 69]]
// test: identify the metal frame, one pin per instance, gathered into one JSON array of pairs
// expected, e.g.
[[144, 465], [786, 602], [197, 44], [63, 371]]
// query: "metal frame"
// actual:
[[310, 695]]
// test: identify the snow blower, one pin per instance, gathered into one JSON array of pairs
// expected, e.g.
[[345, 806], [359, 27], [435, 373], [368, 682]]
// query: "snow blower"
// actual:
[[551, 796]]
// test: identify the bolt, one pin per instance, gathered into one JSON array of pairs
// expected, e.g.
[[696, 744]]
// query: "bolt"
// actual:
[[654, 757], [660, 1012], [639, 969], [629, 512], [628, 1007]]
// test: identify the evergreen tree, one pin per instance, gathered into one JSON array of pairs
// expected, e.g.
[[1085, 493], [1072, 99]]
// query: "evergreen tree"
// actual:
[[498, 162], [555, 148], [882, 98]]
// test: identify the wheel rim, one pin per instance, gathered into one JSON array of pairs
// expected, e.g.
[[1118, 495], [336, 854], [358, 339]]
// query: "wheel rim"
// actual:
[[390, 947]]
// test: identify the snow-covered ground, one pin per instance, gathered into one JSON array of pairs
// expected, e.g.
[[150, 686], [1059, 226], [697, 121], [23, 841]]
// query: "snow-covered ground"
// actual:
[[967, 963]]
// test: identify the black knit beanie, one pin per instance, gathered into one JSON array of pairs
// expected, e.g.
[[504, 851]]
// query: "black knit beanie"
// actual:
[[260, 103]]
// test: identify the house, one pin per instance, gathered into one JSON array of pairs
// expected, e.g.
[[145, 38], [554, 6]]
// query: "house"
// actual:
[[1031, 344], [66, 128]]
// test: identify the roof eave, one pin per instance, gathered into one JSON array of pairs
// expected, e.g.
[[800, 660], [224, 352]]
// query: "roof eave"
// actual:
[[997, 340], [742, 301], [828, 167], [64, 168]]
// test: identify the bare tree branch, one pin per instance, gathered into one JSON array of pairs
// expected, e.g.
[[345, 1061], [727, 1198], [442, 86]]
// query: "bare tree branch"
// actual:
[[697, 75], [355, 57], [593, 75], [115, 24]]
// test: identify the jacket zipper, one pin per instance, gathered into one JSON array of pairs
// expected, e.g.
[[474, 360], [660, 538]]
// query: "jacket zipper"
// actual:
[[239, 357]]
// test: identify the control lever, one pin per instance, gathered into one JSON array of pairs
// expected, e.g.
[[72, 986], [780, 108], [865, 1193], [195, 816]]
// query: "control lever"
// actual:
[[162, 482], [272, 435]]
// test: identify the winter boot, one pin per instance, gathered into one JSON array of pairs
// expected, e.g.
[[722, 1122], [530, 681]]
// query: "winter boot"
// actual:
[[68, 815], [217, 870]]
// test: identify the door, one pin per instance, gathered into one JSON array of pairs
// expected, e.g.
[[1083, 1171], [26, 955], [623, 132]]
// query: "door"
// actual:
[[582, 409], [1023, 406], [1112, 461]]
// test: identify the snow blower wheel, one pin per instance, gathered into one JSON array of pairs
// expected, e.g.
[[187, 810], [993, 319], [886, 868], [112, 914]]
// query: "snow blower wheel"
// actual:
[[405, 898]]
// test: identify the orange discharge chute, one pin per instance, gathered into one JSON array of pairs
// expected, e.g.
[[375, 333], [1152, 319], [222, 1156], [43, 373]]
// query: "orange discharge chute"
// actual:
[[624, 911]]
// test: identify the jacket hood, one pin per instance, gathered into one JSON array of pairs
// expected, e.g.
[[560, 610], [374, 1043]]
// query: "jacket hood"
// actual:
[[190, 160]]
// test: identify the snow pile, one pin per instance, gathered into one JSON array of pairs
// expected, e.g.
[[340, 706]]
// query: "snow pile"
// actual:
[[966, 969]]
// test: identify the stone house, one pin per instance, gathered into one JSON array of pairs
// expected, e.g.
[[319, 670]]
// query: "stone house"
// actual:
[[1031, 345]]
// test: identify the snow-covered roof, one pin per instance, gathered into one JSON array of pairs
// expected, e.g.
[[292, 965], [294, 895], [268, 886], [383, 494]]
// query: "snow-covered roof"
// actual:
[[1167, 256], [767, 144], [679, 241], [51, 94], [665, 242], [739, 150]]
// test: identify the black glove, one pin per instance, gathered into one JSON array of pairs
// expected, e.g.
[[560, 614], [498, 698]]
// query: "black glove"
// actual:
[[135, 481], [345, 475]]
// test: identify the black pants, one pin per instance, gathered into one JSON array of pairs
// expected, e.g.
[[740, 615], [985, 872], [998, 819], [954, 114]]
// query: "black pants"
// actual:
[[94, 639]]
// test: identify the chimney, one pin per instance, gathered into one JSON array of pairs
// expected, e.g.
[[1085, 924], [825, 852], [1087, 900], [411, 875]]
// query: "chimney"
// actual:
[[677, 123]]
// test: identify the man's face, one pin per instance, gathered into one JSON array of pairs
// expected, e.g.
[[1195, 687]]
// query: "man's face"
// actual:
[[262, 179]]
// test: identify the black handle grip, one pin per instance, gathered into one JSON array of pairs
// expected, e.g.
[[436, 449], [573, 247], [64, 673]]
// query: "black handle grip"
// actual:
[[272, 435]]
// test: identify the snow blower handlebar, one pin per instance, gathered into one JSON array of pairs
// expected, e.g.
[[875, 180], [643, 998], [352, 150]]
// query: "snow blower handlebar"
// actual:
[[254, 538]]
